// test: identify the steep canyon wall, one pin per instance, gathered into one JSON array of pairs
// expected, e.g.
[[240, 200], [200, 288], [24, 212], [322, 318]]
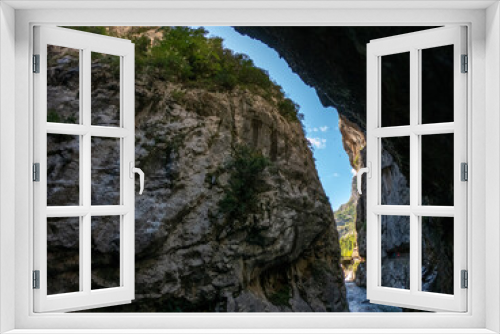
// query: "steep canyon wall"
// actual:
[[192, 252]]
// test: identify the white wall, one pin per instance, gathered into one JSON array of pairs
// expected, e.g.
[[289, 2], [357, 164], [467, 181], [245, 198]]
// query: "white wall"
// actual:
[[492, 147], [7, 161], [183, 17]]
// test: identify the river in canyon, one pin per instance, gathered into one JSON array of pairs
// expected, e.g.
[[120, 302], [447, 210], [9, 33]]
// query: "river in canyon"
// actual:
[[356, 297]]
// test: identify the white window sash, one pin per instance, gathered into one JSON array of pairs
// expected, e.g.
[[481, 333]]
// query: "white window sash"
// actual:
[[85, 298], [414, 297]]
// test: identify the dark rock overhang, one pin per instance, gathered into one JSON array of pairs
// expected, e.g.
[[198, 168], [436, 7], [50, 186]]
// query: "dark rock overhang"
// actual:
[[330, 59]]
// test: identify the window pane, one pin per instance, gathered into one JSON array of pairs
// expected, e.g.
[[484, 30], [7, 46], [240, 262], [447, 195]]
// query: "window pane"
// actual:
[[105, 252], [105, 171], [63, 84], [105, 80], [63, 255], [63, 170], [395, 171], [395, 89], [437, 84], [437, 169], [395, 244], [437, 254]]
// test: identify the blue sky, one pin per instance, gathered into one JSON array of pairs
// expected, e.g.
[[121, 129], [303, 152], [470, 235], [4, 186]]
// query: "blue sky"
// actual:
[[320, 123]]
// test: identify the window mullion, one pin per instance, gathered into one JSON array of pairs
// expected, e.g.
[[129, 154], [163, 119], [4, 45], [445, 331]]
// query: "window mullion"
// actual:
[[418, 186], [86, 170], [406, 210], [80, 179], [419, 129], [414, 171]]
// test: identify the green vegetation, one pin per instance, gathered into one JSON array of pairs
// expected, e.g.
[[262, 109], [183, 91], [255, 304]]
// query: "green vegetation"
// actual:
[[347, 244], [289, 110], [356, 160], [187, 56], [178, 95], [345, 218], [356, 264], [245, 169], [55, 117], [353, 266]]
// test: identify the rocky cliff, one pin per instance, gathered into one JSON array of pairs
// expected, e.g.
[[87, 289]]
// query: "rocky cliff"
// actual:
[[277, 250], [282, 255]]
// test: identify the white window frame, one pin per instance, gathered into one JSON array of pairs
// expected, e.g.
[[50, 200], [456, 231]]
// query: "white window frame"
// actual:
[[483, 20], [414, 43], [85, 43]]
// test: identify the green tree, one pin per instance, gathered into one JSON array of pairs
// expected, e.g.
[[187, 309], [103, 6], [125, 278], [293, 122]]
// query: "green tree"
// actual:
[[246, 170]]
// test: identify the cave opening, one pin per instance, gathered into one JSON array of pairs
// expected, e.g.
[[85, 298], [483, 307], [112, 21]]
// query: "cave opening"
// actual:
[[249, 146]]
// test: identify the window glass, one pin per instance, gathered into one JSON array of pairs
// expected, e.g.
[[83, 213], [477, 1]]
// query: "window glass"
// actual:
[[395, 171], [395, 243], [105, 90], [395, 85], [63, 255], [105, 171], [105, 255], [437, 262], [437, 84], [437, 169], [63, 170], [63, 84]]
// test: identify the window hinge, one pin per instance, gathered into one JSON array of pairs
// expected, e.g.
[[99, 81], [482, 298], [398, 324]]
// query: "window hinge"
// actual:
[[36, 63], [464, 171], [464, 279], [36, 172], [36, 279], [465, 64]]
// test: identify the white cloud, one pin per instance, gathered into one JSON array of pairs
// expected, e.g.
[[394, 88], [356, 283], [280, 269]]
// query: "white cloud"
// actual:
[[353, 171], [336, 174], [321, 128], [318, 143]]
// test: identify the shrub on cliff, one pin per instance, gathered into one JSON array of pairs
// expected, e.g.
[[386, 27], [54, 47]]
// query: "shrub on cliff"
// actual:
[[187, 56], [245, 169]]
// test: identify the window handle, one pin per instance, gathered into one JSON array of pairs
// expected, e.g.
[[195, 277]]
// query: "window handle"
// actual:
[[139, 171], [361, 171]]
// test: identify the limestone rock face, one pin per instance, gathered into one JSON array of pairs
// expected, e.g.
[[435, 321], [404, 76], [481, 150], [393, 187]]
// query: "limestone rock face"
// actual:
[[283, 255], [353, 140]]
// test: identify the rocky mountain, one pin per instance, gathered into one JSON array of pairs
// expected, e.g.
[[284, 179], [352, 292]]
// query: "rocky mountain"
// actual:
[[233, 217]]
